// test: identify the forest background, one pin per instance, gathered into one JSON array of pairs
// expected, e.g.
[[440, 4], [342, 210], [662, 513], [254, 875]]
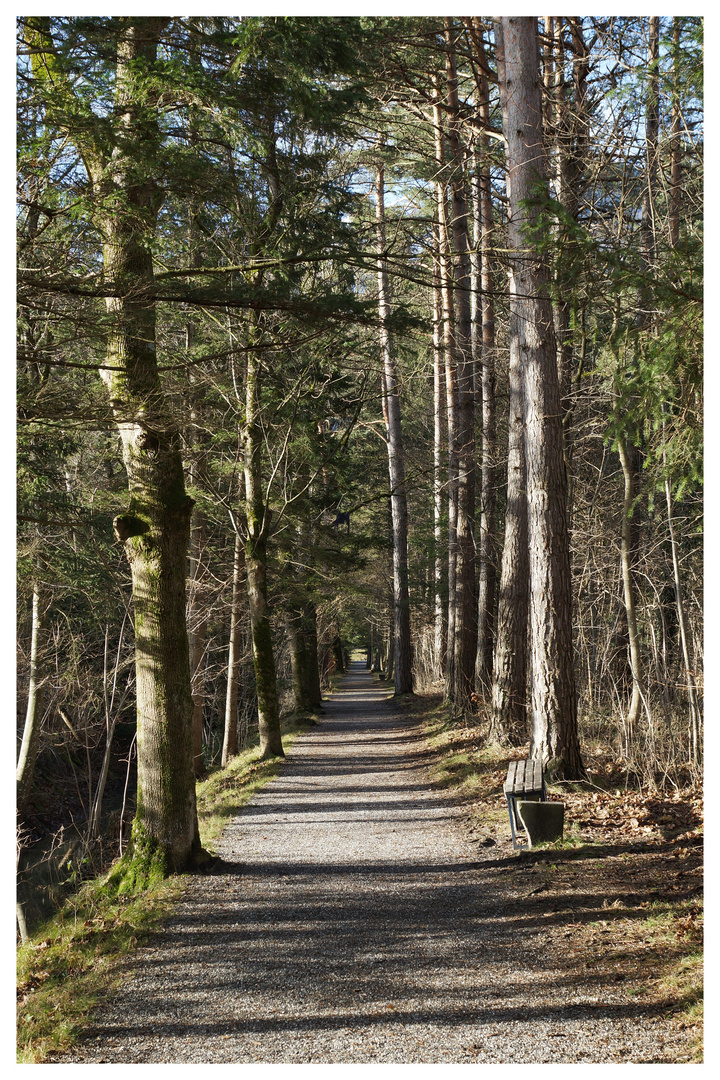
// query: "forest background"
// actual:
[[648, 734]]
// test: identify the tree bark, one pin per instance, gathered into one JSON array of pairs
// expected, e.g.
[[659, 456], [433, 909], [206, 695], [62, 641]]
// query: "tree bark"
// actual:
[[25, 770], [197, 618], [675, 170], [626, 553], [466, 603], [311, 644], [509, 689], [451, 398], [652, 124], [693, 703], [230, 733], [439, 427], [487, 549], [257, 516], [155, 530], [299, 661], [554, 706], [123, 173], [396, 462]]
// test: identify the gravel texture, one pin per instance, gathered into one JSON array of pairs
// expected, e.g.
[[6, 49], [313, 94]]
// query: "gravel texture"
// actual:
[[352, 921]]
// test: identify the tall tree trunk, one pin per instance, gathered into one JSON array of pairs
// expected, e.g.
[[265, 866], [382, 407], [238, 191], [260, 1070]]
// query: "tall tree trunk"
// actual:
[[509, 689], [566, 196], [630, 455], [123, 167], [693, 703], [257, 516], [155, 531], [396, 462], [554, 705], [626, 559], [197, 612], [675, 172], [298, 661], [93, 827], [197, 621], [25, 770], [487, 550], [652, 124], [674, 222], [230, 733], [466, 615], [439, 428], [311, 645], [568, 134], [451, 398]]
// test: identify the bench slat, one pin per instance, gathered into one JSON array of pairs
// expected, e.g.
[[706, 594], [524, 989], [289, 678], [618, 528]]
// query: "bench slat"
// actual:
[[524, 777], [524, 780]]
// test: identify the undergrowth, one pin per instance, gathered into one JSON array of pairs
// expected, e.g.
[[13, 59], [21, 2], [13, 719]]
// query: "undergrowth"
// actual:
[[76, 957], [637, 850]]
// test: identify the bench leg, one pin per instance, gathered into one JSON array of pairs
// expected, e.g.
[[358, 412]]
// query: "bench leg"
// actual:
[[511, 812]]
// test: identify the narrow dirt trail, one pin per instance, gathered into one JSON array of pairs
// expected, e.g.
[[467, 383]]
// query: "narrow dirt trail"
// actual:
[[351, 922]]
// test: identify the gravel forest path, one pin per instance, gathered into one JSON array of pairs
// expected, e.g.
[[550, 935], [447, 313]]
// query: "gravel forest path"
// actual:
[[352, 921]]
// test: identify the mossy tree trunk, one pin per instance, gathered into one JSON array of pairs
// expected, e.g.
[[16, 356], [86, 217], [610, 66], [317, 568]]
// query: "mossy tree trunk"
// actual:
[[155, 531], [122, 157]]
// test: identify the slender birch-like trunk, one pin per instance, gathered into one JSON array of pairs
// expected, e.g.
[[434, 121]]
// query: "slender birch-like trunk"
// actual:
[[626, 553], [630, 456], [25, 769], [693, 703], [230, 733], [93, 827]]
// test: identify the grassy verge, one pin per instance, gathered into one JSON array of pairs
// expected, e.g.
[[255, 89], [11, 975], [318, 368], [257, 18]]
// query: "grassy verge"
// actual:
[[76, 957]]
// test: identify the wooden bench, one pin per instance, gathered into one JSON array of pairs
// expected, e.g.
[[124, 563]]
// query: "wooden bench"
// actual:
[[525, 780]]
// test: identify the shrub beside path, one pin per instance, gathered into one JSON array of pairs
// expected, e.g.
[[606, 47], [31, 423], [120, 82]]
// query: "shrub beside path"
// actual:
[[351, 921]]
